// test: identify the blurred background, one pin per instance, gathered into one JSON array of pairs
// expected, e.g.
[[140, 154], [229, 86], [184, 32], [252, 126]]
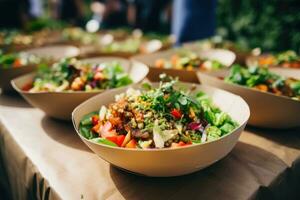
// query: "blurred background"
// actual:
[[272, 25], [129, 27]]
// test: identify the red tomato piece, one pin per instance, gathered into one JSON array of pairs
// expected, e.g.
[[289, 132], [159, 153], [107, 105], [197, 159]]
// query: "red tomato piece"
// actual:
[[176, 113], [180, 144], [120, 140]]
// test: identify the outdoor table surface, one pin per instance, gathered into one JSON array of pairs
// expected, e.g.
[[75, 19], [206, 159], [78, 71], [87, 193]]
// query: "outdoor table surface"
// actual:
[[43, 158]]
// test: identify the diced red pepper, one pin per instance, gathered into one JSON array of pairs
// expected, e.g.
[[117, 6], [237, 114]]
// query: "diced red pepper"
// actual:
[[120, 140], [176, 113], [95, 120]]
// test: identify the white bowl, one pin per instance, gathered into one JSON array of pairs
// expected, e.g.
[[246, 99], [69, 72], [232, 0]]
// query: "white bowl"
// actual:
[[225, 57], [168, 162], [61, 104]]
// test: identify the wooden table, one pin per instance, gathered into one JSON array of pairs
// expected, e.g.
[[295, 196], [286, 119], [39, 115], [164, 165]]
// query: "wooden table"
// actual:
[[43, 158]]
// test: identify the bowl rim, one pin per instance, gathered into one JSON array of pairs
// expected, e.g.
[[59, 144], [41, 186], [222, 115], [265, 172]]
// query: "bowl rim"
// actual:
[[209, 74], [242, 125], [51, 46], [13, 81], [17, 68]]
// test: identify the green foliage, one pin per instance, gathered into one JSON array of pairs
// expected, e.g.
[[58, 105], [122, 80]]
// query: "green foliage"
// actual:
[[7, 59], [272, 25], [44, 23]]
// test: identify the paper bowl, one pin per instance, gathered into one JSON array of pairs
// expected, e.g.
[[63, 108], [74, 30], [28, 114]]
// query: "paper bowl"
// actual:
[[61, 104], [168, 162], [241, 56], [226, 57], [267, 110], [52, 52]]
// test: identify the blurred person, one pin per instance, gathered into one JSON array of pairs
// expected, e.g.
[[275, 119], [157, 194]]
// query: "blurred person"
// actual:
[[151, 15], [142, 14], [193, 19], [13, 13], [35, 8], [70, 11]]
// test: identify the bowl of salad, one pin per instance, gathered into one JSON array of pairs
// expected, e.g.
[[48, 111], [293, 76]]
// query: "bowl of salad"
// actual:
[[286, 59], [133, 43], [273, 95], [58, 89], [78, 36], [184, 63], [215, 42], [13, 65], [163, 129], [125, 43], [17, 41]]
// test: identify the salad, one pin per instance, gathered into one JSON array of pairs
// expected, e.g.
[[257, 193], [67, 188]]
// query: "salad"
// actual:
[[72, 75], [79, 35], [22, 40], [188, 60], [130, 45], [16, 60], [219, 42], [136, 42], [262, 79], [287, 59], [154, 118], [15, 38]]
